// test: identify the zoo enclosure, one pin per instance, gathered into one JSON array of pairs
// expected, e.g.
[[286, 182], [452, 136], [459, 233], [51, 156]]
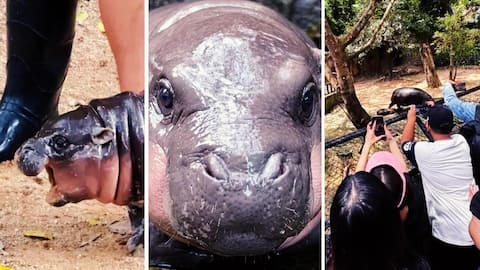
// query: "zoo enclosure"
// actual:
[[343, 152]]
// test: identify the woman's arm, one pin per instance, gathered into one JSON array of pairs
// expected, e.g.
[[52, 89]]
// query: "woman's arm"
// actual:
[[394, 149], [370, 139]]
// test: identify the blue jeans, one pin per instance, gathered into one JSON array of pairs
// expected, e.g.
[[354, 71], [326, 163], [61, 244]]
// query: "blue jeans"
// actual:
[[462, 109]]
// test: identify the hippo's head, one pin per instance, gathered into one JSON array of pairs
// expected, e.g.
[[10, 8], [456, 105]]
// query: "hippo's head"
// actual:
[[234, 128], [79, 155]]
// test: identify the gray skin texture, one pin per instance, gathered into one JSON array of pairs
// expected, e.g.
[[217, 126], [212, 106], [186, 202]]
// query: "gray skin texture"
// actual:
[[234, 143], [93, 152], [405, 96]]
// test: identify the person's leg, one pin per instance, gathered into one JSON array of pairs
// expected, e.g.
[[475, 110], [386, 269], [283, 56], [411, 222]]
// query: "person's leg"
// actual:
[[124, 25], [439, 254], [462, 109], [40, 36], [446, 256]]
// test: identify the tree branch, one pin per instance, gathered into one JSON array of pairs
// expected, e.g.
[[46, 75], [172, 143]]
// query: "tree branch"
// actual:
[[348, 38], [329, 76], [331, 40], [375, 32]]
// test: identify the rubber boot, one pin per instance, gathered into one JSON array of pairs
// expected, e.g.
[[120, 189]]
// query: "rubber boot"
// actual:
[[40, 36]]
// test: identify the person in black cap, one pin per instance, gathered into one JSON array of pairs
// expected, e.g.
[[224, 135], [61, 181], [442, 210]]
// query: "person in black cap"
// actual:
[[446, 171]]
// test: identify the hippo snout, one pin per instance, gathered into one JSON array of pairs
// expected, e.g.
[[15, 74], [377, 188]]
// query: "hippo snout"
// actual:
[[30, 161], [241, 204], [269, 171]]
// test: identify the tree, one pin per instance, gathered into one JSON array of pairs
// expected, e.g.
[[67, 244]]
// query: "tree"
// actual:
[[337, 44], [419, 22], [454, 37]]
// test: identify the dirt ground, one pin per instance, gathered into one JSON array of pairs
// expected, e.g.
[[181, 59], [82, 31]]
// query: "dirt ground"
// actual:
[[78, 242]]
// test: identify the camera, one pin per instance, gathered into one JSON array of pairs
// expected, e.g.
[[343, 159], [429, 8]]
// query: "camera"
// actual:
[[379, 126], [422, 110]]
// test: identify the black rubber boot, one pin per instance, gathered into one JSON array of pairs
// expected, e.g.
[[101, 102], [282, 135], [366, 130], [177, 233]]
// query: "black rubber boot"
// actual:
[[40, 36]]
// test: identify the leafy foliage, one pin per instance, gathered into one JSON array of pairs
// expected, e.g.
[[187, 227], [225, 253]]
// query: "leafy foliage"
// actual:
[[386, 37], [454, 37], [419, 25], [342, 13]]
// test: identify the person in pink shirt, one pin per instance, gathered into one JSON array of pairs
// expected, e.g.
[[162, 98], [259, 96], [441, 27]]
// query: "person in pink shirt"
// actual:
[[388, 166]]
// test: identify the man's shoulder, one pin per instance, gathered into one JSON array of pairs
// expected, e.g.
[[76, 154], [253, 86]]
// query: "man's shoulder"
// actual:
[[411, 145], [458, 137], [408, 146], [418, 151]]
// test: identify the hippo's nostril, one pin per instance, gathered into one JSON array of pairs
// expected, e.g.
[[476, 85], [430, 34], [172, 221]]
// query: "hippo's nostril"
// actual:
[[216, 167], [274, 168]]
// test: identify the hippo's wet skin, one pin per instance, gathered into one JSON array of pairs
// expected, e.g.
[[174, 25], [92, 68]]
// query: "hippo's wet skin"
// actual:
[[405, 96], [234, 128], [93, 152]]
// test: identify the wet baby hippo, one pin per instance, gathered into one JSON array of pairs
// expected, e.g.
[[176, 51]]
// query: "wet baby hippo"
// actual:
[[93, 152], [234, 128], [406, 96]]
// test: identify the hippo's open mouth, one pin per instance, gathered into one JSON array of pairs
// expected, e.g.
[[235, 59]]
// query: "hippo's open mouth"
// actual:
[[54, 197], [51, 176]]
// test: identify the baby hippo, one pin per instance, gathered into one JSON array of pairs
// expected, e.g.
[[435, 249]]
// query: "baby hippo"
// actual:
[[235, 136], [93, 152]]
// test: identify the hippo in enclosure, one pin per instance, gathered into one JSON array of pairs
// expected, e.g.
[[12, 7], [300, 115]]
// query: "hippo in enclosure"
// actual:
[[405, 96], [235, 131], [93, 152]]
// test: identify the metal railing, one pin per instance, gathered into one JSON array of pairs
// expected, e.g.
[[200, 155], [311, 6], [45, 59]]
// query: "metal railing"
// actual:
[[329, 89]]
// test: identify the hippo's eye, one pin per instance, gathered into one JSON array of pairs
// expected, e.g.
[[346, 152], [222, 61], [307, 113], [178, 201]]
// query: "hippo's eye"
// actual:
[[165, 96], [309, 104], [59, 142]]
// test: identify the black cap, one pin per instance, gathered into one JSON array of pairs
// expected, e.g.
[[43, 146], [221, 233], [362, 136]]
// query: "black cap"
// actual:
[[440, 119]]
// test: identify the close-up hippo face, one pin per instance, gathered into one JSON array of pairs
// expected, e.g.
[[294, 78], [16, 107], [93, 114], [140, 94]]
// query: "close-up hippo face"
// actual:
[[78, 154], [234, 128]]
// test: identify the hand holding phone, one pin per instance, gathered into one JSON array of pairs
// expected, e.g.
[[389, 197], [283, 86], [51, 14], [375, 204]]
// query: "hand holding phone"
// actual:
[[379, 126]]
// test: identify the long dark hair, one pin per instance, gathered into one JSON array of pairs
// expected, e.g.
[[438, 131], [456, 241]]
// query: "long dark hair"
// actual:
[[399, 188], [366, 230]]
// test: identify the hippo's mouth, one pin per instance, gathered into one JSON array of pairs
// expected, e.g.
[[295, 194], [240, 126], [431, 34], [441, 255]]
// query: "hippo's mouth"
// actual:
[[54, 197], [51, 176]]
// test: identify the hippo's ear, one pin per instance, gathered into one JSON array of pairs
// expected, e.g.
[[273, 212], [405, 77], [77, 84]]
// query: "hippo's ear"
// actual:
[[102, 135]]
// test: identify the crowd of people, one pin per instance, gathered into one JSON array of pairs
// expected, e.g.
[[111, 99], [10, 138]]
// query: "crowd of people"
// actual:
[[385, 216]]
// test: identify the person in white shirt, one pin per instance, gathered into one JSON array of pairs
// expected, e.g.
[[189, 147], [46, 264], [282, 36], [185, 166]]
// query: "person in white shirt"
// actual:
[[446, 171]]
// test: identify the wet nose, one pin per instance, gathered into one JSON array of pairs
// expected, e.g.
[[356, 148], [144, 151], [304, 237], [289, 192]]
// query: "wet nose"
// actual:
[[265, 169], [216, 167], [273, 168]]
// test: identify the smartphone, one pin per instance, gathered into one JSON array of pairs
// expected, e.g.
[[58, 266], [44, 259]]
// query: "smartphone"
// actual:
[[379, 126]]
